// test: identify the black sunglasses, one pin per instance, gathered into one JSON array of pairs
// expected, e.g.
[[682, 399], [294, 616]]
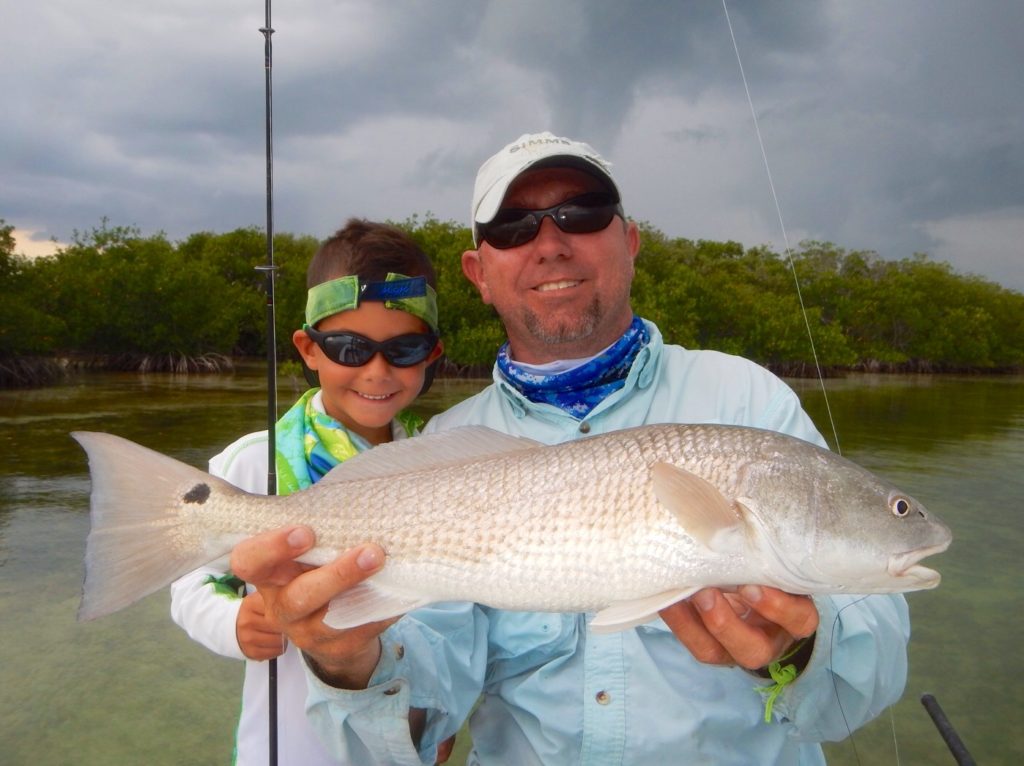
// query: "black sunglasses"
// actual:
[[354, 350], [587, 213]]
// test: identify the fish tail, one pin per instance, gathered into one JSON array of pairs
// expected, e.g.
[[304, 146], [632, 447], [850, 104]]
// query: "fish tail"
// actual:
[[144, 528]]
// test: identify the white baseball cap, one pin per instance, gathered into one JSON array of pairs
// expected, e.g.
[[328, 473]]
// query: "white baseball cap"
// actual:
[[532, 150]]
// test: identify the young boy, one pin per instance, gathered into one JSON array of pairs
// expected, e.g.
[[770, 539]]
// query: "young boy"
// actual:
[[370, 335]]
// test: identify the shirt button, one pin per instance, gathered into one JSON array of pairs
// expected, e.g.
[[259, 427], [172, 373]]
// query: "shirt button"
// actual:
[[603, 697], [399, 652], [584, 427], [392, 690]]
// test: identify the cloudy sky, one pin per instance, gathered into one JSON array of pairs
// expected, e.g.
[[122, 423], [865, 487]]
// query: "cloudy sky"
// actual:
[[891, 126]]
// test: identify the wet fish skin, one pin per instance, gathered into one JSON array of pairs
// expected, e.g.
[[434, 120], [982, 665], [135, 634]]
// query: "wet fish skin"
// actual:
[[621, 524]]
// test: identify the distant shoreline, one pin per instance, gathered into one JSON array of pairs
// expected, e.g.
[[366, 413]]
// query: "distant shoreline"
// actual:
[[36, 372]]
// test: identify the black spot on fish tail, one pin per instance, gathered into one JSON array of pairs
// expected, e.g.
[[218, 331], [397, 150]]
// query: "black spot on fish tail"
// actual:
[[199, 494]]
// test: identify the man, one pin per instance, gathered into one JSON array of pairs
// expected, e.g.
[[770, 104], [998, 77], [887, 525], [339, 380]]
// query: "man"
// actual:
[[555, 257]]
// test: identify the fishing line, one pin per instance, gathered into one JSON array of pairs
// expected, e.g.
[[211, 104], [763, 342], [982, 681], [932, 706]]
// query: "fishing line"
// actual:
[[835, 688], [782, 226], [814, 353], [835, 684], [892, 727]]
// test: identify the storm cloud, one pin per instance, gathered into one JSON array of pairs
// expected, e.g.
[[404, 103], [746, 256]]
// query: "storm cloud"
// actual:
[[893, 127]]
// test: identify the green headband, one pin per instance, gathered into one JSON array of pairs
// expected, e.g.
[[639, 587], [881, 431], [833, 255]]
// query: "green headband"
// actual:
[[409, 294]]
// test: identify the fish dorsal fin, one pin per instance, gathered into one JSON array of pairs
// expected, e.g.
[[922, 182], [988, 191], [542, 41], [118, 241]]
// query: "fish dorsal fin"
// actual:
[[706, 515], [629, 614], [429, 451], [370, 601]]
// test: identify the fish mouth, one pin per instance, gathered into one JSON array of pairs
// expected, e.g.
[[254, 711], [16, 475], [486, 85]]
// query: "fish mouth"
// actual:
[[904, 566]]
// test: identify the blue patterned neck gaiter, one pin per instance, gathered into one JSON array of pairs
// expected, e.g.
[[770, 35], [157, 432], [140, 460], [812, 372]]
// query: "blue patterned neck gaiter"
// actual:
[[579, 390]]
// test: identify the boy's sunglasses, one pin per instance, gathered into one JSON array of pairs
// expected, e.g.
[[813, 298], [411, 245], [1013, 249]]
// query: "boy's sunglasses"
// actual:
[[587, 213], [353, 350]]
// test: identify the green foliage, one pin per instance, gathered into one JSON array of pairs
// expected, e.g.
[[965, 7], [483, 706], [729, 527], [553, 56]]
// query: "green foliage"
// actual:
[[665, 286], [237, 258], [8, 261], [26, 329], [120, 293], [114, 292], [914, 313]]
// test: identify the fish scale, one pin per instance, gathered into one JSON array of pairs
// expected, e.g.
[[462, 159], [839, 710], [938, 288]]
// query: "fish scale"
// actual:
[[621, 524]]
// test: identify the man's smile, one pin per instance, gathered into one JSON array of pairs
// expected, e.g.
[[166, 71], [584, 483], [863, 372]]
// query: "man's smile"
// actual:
[[561, 284]]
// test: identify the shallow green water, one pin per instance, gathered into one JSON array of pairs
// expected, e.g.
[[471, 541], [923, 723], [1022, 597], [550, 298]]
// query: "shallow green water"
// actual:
[[132, 688]]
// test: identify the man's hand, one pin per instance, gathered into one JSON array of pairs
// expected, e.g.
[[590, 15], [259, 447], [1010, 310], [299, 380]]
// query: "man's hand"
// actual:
[[258, 635], [295, 597], [750, 628]]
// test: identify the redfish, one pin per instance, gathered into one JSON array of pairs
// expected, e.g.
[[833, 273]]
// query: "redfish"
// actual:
[[621, 524]]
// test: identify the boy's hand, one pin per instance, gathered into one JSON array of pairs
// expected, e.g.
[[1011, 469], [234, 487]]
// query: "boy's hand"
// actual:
[[295, 598], [750, 628], [258, 636]]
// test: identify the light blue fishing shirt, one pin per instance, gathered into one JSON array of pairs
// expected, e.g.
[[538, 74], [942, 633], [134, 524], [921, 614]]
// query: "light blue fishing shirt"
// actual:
[[551, 692]]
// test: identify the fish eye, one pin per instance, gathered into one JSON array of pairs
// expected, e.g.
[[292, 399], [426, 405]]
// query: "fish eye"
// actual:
[[899, 506]]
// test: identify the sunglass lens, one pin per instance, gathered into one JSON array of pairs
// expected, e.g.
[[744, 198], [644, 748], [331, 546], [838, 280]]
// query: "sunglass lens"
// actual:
[[349, 350], [408, 350], [584, 219], [514, 228]]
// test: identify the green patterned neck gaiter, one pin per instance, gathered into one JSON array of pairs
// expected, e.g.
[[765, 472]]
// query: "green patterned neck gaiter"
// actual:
[[309, 443]]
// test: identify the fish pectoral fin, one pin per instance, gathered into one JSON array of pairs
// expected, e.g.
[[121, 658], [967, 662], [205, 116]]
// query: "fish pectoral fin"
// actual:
[[628, 614], [704, 512], [371, 602]]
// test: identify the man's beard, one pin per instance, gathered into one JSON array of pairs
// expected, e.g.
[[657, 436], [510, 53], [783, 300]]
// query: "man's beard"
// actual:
[[571, 330]]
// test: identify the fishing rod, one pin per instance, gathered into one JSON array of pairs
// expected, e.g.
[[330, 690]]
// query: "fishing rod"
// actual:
[[949, 735], [269, 270]]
